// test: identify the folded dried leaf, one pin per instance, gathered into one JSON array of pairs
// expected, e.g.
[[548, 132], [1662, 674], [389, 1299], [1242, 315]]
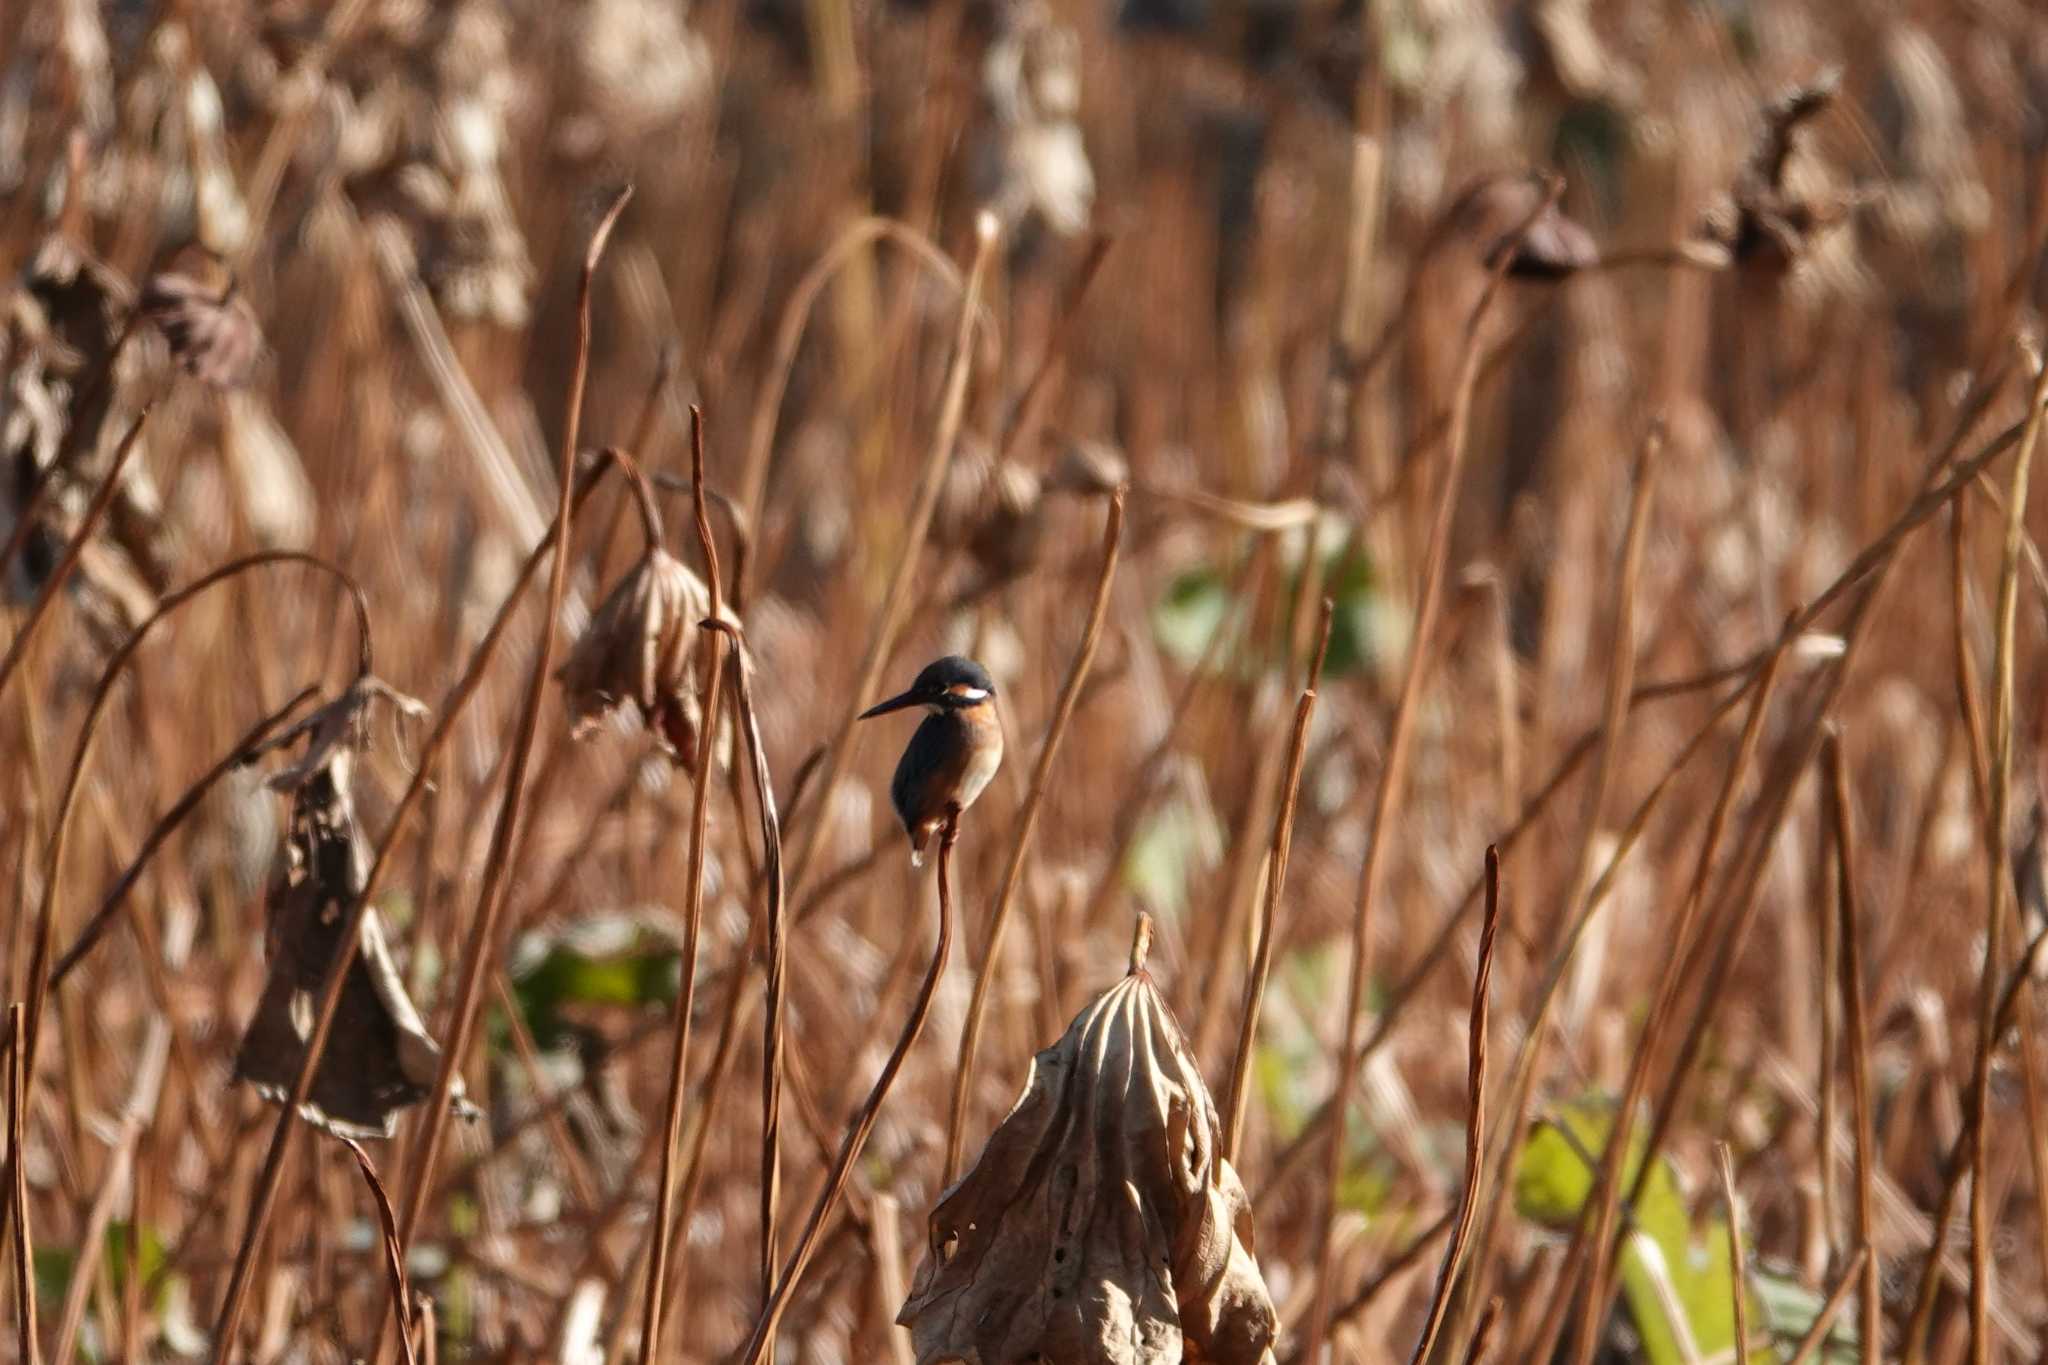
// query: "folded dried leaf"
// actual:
[[1101, 1223], [641, 647], [379, 1057]]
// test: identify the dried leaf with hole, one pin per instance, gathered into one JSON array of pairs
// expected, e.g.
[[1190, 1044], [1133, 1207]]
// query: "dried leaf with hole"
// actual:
[[1101, 1222], [642, 647], [379, 1057]]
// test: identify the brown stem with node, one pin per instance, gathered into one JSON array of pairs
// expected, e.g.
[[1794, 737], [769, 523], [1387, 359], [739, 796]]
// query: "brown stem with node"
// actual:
[[693, 916], [864, 1122]]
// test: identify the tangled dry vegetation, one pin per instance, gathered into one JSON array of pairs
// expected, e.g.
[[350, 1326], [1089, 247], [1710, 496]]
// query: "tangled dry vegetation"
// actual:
[[1503, 535]]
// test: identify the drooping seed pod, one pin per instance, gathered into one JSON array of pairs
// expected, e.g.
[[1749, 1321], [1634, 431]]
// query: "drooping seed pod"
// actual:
[[1768, 219], [642, 647], [1101, 1225], [212, 331], [379, 1057], [1489, 212]]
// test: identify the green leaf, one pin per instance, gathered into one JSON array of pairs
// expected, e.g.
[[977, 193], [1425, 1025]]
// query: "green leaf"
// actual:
[[1188, 617], [640, 975], [1667, 1260], [55, 1265]]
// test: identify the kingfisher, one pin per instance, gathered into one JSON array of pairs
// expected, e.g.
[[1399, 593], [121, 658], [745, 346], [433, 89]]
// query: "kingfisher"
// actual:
[[953, 754]]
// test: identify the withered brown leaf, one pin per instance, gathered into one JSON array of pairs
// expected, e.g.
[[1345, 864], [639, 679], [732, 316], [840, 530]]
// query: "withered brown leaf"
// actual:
[[1101, 1223], [379, 1056]]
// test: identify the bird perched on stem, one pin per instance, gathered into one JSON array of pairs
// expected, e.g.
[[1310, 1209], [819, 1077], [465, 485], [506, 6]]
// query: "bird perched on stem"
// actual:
[[953, 754]]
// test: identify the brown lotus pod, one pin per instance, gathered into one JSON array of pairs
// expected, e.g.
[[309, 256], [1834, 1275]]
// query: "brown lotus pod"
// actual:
[[641, 647], [1765, 219], [212, 331], [1488, 213], [379, 1057], [1101, 1225]]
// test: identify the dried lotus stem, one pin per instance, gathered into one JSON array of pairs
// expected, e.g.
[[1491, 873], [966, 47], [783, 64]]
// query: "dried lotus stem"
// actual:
[[864, 1122]]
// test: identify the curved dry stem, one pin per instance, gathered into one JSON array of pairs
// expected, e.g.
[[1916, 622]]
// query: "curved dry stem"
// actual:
[[1027, 825], [693, 917], [110, 904], [451, 710], [1269, 913], [789, 334], [864, 1122], [102, 498], [53, 860], [1394, 772]]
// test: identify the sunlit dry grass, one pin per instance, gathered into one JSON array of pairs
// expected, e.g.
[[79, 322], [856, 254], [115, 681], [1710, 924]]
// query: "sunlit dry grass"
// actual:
[[1729, 641]]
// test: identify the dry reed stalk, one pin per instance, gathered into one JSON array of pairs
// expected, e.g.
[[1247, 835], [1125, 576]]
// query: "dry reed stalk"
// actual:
[[864, 1122], [1439, 948], [1579, 902], [1276, 879], [1598, 1217], [1738, 1256], [134, 1119], [1854, 1006], [1475, 1124], [450, 711], [1393, 772], [17, 1186], [582, 1184], [774, 913], [394, 1261], [1484, 1333], [652, 1306], [60, 574], [1406, 1258], [1025, 415], [896, 599], [1997, 835], [483, 938], [1969, 695], [1027, 825], [1824, 1322]]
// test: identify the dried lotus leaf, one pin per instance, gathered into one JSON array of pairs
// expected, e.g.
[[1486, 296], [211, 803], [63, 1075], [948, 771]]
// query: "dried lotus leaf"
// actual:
[[1101, 1223]]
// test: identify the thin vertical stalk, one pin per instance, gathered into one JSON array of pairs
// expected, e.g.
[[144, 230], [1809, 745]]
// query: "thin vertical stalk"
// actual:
[[1475, 1121], [1394, 772], [503, 853], [17, 1130], [1276, 880], [1027, 825], [1853, 1014], [856, 1138], [1738, 1256], [777, 946], [693, 919], [1996, 841]]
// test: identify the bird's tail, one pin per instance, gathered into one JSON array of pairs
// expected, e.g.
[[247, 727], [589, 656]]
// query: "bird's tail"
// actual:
[[918, 839]]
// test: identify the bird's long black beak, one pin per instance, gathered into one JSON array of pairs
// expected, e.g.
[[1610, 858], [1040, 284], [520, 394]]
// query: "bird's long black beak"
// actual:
[[896, 703]]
